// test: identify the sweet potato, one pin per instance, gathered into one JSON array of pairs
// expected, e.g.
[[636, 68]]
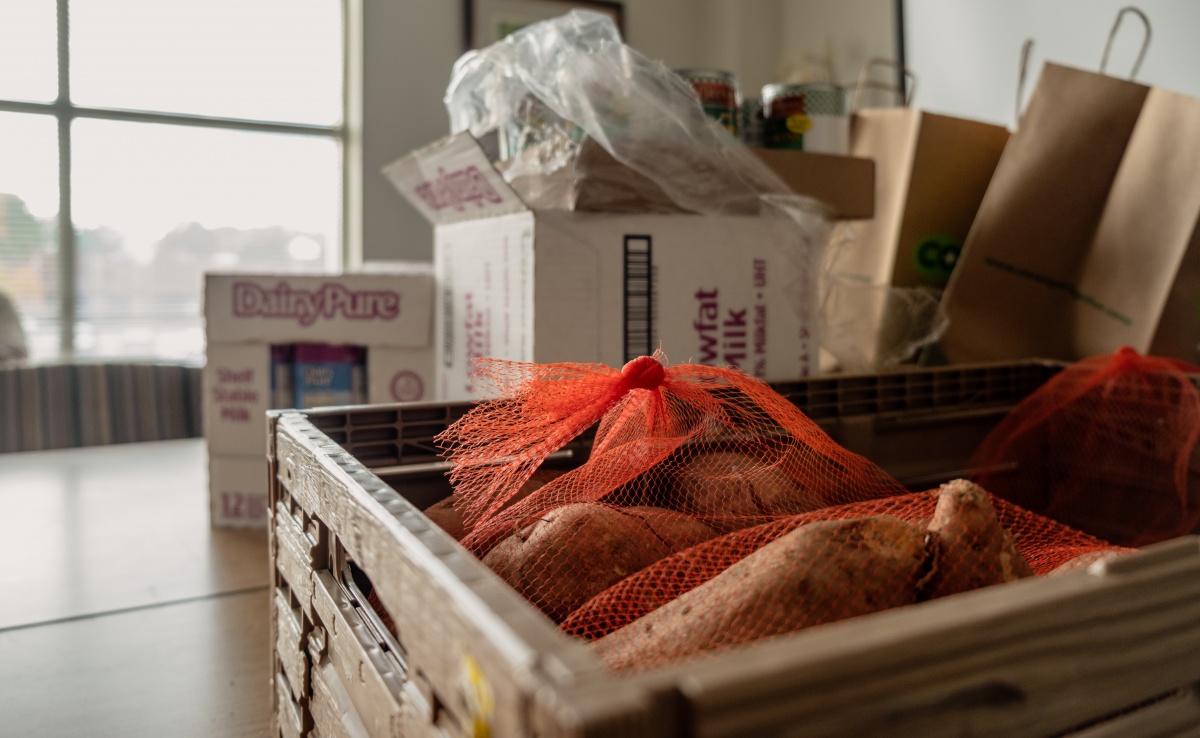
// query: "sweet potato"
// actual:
[[676, 530], [446, 515], [818, 573], [735, 484], [639, 491], [974, 550], [573, 552]]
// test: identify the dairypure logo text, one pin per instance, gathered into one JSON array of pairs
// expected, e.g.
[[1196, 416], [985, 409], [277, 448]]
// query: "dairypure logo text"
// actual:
[[330, 300], [457, 190]]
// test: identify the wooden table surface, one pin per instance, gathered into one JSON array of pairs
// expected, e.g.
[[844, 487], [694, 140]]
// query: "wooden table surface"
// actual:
[[123, 612]]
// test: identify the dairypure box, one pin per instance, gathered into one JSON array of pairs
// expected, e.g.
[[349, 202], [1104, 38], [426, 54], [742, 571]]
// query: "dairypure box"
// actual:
[[551, 285], [297, 341], [235, 491]]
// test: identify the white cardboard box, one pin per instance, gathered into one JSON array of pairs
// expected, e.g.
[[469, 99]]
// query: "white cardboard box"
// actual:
[[237, 491], [389, 314], [557, 285]]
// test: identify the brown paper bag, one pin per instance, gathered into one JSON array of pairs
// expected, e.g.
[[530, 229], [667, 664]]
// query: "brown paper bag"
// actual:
[[1081, 244], [931, 172]]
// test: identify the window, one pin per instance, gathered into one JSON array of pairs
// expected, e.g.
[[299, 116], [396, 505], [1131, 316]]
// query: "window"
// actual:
[[144, 142]]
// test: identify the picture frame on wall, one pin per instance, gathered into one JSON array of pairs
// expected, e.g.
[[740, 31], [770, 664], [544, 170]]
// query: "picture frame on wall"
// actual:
[[488, 21]]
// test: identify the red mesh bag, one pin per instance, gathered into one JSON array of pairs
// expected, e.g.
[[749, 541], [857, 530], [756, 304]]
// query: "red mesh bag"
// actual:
[[841, 562], [1107, 446], [681, 455], [711, 512]]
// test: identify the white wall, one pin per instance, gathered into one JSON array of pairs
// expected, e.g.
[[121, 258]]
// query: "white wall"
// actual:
[[837, 34], [741, 37], [766, 41], [667, 30], [410, 48], [966, 54]]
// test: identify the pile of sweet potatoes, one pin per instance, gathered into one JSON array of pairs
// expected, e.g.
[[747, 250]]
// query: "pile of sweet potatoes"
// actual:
[[562, 557], [818, 572], [826, 571], [574, 552]]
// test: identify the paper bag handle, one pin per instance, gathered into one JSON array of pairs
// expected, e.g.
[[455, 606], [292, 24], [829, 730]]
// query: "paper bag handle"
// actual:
[[1113, 33], [1026, 50], [864, 82]]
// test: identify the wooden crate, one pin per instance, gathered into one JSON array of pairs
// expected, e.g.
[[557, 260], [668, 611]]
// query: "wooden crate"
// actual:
[[1114, 651]]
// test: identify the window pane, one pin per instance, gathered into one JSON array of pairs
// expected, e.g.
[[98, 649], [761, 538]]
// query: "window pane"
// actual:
[[275, 60], [28, 50], [156, 206], [28, 226]]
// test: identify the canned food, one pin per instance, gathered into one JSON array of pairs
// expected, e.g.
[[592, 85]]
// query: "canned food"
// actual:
[[811, 117], [750, 124], [718, 93]]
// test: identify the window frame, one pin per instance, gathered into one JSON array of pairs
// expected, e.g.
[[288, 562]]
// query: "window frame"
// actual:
[[347, 135]]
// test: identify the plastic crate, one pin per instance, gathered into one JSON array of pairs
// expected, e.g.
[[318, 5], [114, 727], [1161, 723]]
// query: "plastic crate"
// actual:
[[1114, 651]]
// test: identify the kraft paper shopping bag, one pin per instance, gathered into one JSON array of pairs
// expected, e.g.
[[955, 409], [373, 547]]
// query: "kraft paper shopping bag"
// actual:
[[931, 172], [1081, 244]]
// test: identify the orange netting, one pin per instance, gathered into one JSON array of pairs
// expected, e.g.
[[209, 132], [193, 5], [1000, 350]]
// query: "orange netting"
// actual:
[[680, 455], [830, 579], [1107, 446], [710, 512]]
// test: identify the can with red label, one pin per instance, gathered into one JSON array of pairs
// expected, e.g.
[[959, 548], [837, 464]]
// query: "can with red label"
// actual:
[[718, 92], [811, 117]]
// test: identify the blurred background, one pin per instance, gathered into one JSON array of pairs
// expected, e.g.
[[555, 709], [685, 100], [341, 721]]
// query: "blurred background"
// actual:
[[145, 142]]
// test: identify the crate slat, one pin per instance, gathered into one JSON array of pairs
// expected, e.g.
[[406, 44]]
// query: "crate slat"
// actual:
[[289, 644], [288, 722], [333, 713], [1175, 716], [370, 682], [1034, 657], [294, 557]]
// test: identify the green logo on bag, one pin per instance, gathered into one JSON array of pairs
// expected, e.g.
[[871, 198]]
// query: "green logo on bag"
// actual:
[[936, 256]]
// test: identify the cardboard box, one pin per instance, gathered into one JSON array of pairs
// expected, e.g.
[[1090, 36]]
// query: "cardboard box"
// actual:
[[550, 285], [845, 183], [237, 491], [279, 341]]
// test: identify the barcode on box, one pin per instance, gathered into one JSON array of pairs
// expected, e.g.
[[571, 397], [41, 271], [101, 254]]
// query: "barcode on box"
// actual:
[[639, 297]]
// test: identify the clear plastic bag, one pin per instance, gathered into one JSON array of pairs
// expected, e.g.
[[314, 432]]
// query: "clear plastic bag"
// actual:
[[550, 84], [871, 327]]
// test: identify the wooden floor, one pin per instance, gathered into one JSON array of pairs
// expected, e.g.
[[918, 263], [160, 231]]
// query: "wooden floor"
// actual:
[[123, 613]]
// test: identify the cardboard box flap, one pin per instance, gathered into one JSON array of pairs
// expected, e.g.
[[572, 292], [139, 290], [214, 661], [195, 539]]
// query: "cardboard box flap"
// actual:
[[608, 185], [845, 183], [594, 181], [452, 180], [599, 183]]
